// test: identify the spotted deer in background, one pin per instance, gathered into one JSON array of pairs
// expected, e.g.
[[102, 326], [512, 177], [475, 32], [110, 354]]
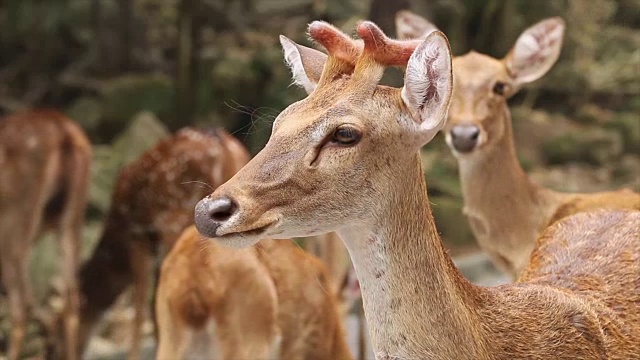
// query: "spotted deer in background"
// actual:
[[151, 204], [44, 176], [506, 210]]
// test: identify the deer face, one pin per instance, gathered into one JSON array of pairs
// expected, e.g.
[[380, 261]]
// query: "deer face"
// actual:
[[478, 117], [331, 155], [482, 85]]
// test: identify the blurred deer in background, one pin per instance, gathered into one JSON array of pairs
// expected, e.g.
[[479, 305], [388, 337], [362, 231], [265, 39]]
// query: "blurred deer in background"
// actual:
[[271, 301], [152, 203], [44, 160], [506, 210]]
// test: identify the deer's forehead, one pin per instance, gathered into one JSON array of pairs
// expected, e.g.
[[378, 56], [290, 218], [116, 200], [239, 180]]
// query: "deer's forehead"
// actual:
[[475, 70]]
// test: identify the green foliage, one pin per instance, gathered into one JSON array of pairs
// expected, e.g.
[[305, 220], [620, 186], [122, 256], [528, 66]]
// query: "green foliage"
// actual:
[[125, 96], [628, 126], [592, 146]]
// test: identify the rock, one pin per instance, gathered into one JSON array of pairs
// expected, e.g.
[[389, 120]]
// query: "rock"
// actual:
[[592, 146], [145, 130]]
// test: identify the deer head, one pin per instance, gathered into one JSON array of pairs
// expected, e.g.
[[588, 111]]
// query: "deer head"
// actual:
[[332, 156], [477, 117]]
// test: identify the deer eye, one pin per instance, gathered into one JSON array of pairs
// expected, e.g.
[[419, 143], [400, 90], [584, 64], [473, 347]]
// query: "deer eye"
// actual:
[[345, 135], [499, 88]]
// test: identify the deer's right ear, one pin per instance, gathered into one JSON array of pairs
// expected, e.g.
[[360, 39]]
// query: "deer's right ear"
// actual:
[[428, 83], [412, 26], [305, 63]]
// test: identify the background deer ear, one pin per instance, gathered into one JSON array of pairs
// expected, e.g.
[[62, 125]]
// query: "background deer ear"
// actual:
[[428, 84], [305, 63], [535, 51], [412, 26]]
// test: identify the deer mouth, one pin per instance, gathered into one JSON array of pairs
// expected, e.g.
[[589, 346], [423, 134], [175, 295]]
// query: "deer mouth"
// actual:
[[251, 233]]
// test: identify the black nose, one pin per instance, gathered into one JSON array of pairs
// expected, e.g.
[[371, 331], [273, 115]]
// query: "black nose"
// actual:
[[211, 213], [464, 137]]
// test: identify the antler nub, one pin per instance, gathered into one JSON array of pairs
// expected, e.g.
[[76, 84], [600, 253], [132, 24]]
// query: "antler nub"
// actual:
[[336, 42], [384, 50]]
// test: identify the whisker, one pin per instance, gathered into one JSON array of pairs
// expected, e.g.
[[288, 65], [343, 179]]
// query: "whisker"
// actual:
[[199, 183]]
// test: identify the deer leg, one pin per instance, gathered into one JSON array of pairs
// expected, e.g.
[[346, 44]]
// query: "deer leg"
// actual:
[[15, 278], [19, 228], [154, 296], [141, 259], [70, 242]]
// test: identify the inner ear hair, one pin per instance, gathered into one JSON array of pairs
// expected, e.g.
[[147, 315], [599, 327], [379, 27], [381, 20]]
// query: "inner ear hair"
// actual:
[[306, 64], [535, 51]]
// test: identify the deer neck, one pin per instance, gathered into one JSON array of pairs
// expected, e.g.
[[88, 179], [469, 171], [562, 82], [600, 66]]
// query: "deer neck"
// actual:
[[496, 190], [495, 172], [414, 298]]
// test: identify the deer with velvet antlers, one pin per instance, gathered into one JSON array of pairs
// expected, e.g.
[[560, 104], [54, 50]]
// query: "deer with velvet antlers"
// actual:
[[346, 159], [44, 178], [506, 210]]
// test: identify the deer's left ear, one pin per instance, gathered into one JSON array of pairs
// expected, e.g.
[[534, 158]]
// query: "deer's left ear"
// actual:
[[305, 63], [428, 84], [535, 51], [412, 26]]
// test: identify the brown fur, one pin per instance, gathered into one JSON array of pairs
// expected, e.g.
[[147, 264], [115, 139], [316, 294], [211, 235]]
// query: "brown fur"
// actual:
[[44, 177], [269, 301], [506, 210], [372, 192], [152, 203]]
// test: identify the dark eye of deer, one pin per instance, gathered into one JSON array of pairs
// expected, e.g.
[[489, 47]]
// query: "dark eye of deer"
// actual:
[[345, 136], [499, 88]]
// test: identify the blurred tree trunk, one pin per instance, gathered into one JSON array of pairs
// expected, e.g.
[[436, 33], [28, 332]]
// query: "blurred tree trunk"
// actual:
[[493, 35], [187, 62], [126, 34], [98, 35], [383, 13]]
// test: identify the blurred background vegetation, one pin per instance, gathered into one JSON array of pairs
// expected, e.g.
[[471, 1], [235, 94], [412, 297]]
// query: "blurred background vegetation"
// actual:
[[131, 71]]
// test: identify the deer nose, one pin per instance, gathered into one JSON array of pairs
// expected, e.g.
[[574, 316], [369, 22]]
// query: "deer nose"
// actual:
[[464, 137], [210, 214]]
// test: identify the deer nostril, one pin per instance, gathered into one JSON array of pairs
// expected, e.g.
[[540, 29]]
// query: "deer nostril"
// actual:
[[474, 134], [210, 214], [221, 209]]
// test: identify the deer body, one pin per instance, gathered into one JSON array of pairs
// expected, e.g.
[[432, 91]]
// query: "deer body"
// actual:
[[506, 210], [270, 301], [566, 305], [346, 159], [151, 205], [45, 160]]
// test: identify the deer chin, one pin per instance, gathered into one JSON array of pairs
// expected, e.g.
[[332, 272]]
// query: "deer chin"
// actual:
[[231, 237]]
